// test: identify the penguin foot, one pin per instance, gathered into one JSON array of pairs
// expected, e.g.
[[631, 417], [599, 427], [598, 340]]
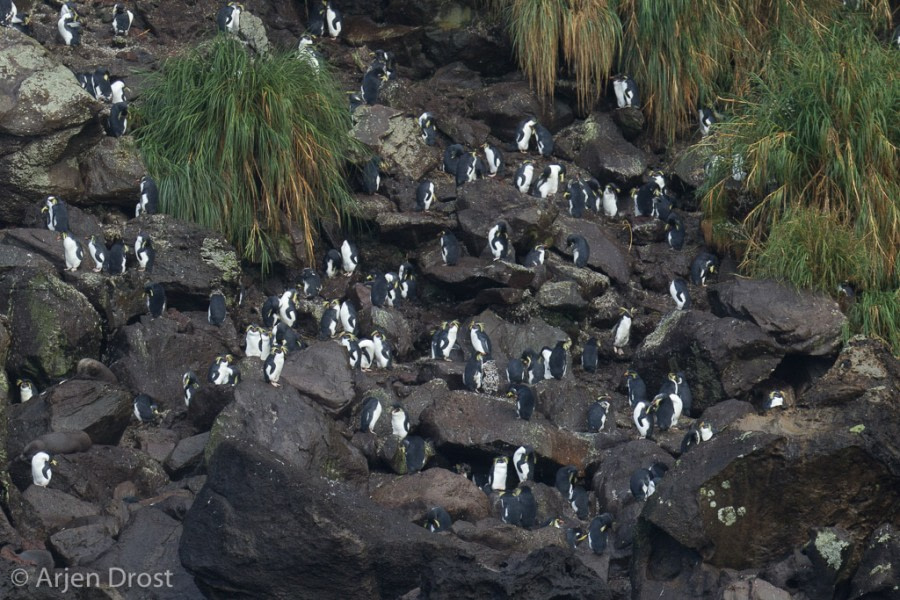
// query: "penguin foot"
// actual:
[[274, 384]]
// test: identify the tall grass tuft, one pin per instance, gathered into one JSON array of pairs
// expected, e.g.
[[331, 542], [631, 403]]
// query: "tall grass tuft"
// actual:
[[250, 146], [877, 314]]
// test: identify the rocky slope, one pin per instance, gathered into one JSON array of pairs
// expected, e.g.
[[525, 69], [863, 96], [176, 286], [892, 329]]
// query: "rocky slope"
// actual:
[[254, 491]]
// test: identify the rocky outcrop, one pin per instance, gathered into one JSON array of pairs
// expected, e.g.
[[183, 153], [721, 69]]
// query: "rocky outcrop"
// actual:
[[396, 139], [597, 146], [321, 372], [415, 496]]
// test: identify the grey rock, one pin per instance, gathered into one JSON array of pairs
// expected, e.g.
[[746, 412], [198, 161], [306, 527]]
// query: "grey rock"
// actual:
[[81, 545], [607, 254], [187, 455], [99, 409], [53, 508], [394, 137], [110, 171], [415, 496], [253, 32], [93, 475], [504, 105], [879, 568], [321, 372], [597, 146], [563, 296]]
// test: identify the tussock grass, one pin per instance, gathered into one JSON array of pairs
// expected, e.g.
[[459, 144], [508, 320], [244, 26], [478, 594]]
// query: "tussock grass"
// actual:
[[251, 146]]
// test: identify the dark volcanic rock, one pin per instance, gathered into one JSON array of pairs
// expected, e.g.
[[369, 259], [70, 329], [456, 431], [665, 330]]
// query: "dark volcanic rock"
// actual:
[[803, 322], [111, 171], [54, 508], [863, 366], [100, 409], [473, 274], [878, 575], [597, 146], [81, 545], [93, 475], [396, 139], [416, 495], [503, 105], [607, 254], [321, 372]]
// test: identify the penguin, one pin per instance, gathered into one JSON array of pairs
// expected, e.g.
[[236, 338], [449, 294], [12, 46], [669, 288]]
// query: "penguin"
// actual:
[[662, 205], [40, 469], [449, 249], [408, 287], [189, 385], [576, 197], [598, 532], [156, 299], [637, 389], [67, 9], [681, 387], [667, 410], [524, 176], [287, 309], [698, 433], [559, 359], [253, 342], [597, 413], [444, 340], [589, 355], [469, 168], [524, 461], [678, 289], [534, 367], [387, 60], [117, 87], [473, 376], [524, 131], [273, 366], [525, 400], [437, 520], [97, 250], [228, 19], [515, 370], [424, 196], [399, 421], [269, 312], [316, 24], [332, 263], [610, 200], [498, 241], [371, 412], [675, 232], [510, 509], [643, 418], [69, 28], [574, 535], [622, 330], [381, 287], [383, 352], [216, 312], [86, 81], [592, 193], [22, 23], [546, 351], [565, 478], [115, 258], [102, 86], [626, 91], [452, 154], [480, 340], [581, 251], [57, 214], [426, 125], [333, 20], [579, 501], [494, 160], [354, 353], [282, 335], [417, 452], [73, 252], [26, 389], [149, 201], [548, 183], [371, 84], [231, 373], [347, 314], [544, 140], [145, 254], [122, 20], [306, 52], [535, 257], [895, 37], [707, 119], [145, 409], [310, 283], [329, 321], [349, 256], [775, 399], [498, 473], [356, 100], [8, 12], [642, 484], [117, 123], [527, 505], [643, 199], [704, 265]]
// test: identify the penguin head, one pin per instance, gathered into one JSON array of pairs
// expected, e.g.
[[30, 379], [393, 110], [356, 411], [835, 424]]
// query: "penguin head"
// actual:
[[501, 460], [656, 402], [377, 335], [674, 378], [566, 345], [611, 188], [453, 324], [627, 311], [557, 522]]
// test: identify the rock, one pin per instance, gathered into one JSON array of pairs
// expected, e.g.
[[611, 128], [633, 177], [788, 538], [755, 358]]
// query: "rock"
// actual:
[[396, 139], [99, 409], [471, 274], [504, 105], [562, 296], [607, 254], [251, 497], [878, 574], [490, 425], [156, 443], [591, 284], [110, 171], [81, 545], [396, 328], [53, 509], [566, 402], [753, 589], [153, 354], [689, 166], [253, 32], [93, 475], [862, 366], [511, 339], [149, 544], [187, 455], [457, 35], [415, 496], [321, 372], [611, 481], [597, 146], [412, 229], [290, 425], [630, 122], [43, 345], [725, 413], [802, 322], [722, 357], [829, 549]]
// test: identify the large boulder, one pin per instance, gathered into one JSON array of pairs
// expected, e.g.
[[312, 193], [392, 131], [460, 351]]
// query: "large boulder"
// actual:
[[878, 574], [415, 496], [291, 426], [504, 105], [110, 171], [607, 254], [99, 409], [396, 139], [722, 357], [322, 373], [93, 475], [472, 274], [802, 322], [52, 324], [511, 339], [597, 146]]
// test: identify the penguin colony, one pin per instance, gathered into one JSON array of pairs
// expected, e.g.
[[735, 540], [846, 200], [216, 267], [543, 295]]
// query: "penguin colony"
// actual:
[[275, 339]]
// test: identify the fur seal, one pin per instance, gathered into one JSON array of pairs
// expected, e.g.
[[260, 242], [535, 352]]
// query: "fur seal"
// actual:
[[57, 442]]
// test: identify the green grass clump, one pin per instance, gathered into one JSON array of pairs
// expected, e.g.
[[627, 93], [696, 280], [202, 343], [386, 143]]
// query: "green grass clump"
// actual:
[[252, 146], [877, 314]]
